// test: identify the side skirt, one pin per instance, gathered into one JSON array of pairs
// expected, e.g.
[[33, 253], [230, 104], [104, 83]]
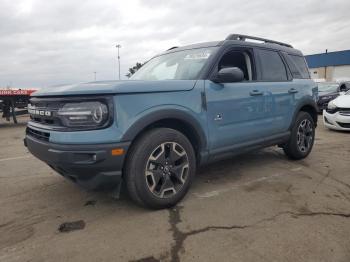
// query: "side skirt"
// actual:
[[229, 151]]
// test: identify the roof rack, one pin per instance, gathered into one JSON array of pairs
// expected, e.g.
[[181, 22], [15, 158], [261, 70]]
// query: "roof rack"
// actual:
[[244, 37], [171, 48]]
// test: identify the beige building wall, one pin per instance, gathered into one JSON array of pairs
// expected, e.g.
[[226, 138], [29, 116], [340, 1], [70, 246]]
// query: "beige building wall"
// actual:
[[341, 72], [331, 73], [322, 73]]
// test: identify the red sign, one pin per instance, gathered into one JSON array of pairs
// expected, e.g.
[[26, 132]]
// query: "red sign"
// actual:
[[18, 92]]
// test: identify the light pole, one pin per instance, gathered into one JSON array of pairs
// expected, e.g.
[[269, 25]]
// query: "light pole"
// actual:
[[118, 46], [95, 75]]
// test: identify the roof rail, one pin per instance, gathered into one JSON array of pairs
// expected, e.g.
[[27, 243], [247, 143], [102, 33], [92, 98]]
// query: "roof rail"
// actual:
[[244, 37], [171, 48]]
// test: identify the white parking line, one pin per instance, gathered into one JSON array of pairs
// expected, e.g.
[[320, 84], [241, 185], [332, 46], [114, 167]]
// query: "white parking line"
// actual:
[[14, 158]]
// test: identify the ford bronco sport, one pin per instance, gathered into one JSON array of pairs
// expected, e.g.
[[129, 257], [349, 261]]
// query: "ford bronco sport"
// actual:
[[186, 107]]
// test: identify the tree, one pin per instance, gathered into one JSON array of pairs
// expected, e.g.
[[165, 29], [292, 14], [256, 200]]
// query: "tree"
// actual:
[[132, 70]]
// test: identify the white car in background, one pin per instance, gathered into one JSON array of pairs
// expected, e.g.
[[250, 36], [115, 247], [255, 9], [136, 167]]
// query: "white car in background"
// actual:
[[337, 114]]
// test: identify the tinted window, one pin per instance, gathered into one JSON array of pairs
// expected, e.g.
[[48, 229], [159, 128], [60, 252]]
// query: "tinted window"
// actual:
[[240, 59], [296, 73], [272, 66], [298, 66]]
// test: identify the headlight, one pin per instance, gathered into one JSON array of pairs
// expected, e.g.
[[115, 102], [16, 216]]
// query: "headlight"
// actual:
[[87, 114], [331, 105]]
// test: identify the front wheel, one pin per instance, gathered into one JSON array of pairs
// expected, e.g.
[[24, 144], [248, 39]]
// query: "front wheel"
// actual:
[[302, 137], [160, 168]]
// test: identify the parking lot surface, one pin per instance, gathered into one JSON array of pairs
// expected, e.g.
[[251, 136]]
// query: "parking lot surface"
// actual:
[[256, 207]]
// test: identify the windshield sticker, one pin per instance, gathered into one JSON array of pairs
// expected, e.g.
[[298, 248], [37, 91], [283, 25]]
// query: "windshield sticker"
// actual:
[[201, 55]]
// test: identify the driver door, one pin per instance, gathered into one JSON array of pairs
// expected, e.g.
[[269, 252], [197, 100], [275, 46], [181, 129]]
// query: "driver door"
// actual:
[[238, 113]]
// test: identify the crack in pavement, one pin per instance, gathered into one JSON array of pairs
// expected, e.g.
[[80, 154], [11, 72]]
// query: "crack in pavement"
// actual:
[[324, 176], [340, 182], [343, 194], [179, 237]]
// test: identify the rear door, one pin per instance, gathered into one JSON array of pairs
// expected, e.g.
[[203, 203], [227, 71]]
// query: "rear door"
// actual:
[[275, 78]]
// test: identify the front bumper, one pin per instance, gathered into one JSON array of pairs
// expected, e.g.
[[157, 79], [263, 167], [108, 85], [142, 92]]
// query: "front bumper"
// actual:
[[336, 121], [90, 166]]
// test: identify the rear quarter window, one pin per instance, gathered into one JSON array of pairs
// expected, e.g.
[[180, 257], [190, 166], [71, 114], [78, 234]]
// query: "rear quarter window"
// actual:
[[297, 66]]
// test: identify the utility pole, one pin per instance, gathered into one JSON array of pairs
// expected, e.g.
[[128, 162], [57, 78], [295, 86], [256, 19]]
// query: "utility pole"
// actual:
[[95, 75], [118, 46], [325, 69]]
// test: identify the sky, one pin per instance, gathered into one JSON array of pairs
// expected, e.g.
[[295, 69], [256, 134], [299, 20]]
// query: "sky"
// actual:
[[56, 42]]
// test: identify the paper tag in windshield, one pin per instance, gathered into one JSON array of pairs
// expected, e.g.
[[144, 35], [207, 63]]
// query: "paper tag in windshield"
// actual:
[[200, 55]]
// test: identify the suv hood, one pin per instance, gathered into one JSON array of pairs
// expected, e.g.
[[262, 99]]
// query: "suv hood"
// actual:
[[342, 101], [116, 87]]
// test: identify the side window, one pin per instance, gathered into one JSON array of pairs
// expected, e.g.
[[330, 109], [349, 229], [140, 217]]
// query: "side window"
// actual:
[[241, 59], [271, 66], [297, 66]]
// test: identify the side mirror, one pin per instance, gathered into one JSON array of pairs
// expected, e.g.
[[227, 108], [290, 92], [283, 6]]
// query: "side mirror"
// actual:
[[344, 88], [229, 75]]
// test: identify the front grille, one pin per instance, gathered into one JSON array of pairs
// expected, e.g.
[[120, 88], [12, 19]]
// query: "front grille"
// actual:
[[38, 134], [344, 125], [44, 112], [51, 121], [331, 111], [344, 111]]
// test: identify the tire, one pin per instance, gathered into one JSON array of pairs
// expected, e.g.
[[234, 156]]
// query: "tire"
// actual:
[[160, 168], [302, 137]]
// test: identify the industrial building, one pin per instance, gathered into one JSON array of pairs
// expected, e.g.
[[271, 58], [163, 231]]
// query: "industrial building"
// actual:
[[330, 66]]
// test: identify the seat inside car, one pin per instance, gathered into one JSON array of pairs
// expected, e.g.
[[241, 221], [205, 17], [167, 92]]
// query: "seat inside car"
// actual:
[[238, 59]]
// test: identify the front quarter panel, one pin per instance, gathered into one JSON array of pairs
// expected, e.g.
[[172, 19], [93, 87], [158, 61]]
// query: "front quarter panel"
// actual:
[[136, 111]]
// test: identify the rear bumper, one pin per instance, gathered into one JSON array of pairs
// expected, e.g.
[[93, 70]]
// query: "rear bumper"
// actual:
[[90, 166]]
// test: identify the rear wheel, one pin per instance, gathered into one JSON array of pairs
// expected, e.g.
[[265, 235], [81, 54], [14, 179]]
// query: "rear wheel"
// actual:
[[160, 168], [302, 137]]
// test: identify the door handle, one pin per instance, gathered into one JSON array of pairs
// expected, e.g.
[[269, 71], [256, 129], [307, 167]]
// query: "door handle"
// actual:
[[292, 91], [256, 93]]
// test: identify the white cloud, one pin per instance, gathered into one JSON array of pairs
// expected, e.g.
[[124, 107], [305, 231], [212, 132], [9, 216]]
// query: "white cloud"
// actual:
[[52, 42], [25, 7]]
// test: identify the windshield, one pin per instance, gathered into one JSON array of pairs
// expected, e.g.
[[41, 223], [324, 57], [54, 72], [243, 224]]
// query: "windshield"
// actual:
[[328, 87], [182, 65]]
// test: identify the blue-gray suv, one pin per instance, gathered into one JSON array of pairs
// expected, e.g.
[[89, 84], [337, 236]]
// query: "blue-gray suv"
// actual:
[[186, 107]]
